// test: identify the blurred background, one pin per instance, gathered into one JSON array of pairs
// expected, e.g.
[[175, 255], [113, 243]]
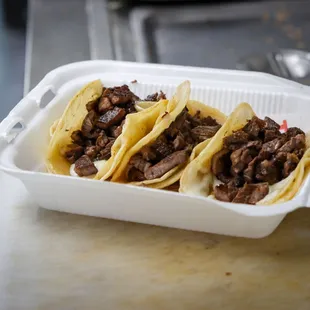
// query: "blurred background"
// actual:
[[37, 36]]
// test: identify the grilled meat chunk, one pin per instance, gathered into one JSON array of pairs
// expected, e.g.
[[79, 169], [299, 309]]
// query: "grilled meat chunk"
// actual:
[[162, 147], [111, 118], [267, 171], [104, 105], [105, 153], [271, 124], [220, 165], [297, 142], [253, 127], [148, 153], [102, 140], [179, 142], [171, 161], [89, 123], [202, 133], [290, 165], [92, 105], [156, 97], [139, 163], [251, 193], [135, 175], [77, 137], [236, 140], [72, 152], [84, 166]]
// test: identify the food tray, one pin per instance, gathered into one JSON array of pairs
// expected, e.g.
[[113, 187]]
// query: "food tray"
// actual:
[[24, 137]]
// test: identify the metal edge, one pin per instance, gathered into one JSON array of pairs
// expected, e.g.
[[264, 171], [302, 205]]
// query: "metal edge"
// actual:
[[196, 13], [29, 46], [99, 30]]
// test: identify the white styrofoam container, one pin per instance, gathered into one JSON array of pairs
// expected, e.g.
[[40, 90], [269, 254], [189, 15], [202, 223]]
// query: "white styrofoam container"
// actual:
[[23, 147]]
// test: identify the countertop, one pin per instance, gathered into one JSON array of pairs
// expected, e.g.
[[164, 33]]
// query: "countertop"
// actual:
[[51, 260]]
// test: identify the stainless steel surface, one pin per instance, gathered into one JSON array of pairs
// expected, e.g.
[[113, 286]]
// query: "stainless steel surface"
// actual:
[[99, 31], [12, 62], [218, 36], [64, 31], [290, 64], [57, 35]]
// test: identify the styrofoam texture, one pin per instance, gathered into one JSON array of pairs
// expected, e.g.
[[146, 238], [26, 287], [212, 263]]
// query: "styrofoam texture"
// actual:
[[223, 89]]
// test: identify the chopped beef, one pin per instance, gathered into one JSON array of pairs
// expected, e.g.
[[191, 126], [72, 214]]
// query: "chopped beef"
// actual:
[[239, 160], [95, 133], [297, 142], [271, 134], [116, 131], [135, 175], [148, 153], [173, 187], [139, 163], [243, 156], [91, 151], [254, 157], [102, 140], [162, 155], [104, 105], [208, 121], [77, 137], [130, 108], [236, 140], [92, 105], [251, 193], [121, 94], [225, 193], [249, 172], [179, 142], [161, 96], [267, 171], [237, 181], [196, 120], [72, 152], [299, 153], [177, 125], [254, 126], [202, 133], [162, 147], [171, 161], [152, 97], [271, 124], [84, 166], [89, 123], [281, 157], [269, 148], [103, 124], [220, 163], [156, 97], [111, 118], [293, 132], [290, 165], [105, 153]]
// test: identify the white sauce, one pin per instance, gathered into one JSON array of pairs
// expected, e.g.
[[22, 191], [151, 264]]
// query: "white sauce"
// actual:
[[98, 164]]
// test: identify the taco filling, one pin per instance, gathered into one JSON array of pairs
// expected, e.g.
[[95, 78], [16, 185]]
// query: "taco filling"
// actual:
[[172, 148], [255, 157], [100, 128]]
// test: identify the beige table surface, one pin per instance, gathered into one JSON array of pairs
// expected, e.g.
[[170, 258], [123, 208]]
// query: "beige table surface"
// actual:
[[52, 260]]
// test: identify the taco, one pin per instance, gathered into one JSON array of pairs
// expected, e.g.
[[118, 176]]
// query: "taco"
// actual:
[[179, 134], [95, 130], [249, 161]]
